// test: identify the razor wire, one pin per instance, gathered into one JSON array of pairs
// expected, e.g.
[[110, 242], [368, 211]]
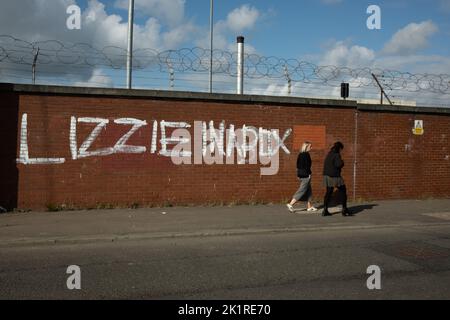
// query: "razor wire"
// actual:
[[54, 52]]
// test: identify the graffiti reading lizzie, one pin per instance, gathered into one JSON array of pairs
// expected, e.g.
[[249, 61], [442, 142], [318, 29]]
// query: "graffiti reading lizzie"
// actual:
[[209, 145]]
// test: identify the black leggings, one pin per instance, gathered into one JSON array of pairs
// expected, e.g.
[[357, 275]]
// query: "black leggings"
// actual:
[[342, 192]]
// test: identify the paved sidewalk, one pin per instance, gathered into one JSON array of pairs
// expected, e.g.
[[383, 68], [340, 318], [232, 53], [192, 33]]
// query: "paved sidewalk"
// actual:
[[40, 228]]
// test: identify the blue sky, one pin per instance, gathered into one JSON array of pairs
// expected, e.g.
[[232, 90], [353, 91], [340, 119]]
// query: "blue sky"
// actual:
[[303, 28]]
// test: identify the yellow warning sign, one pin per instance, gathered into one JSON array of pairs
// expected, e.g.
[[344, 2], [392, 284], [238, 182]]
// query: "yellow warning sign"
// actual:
[[418, 128]]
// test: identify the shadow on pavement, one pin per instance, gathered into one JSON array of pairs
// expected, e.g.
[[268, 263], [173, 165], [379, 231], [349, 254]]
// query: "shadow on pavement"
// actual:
[[336, 209], [358, 209]]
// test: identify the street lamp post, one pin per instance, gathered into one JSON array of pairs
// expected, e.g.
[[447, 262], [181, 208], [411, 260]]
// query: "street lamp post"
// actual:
[[211, 37], [130, 42]]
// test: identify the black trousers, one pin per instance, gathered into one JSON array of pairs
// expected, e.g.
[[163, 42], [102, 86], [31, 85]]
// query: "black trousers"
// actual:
[[342, 193]]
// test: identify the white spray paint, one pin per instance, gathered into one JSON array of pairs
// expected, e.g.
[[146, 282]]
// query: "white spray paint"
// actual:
[[101, 124], [120, 146], [155, 133], [233, 139], [204, 138], [24, 152], [198, 142], [267, 153], [217, 138], [173, 140], [214, 153], [265, 143], [252, 145], [73, 137], [280, 143], [209, 143]]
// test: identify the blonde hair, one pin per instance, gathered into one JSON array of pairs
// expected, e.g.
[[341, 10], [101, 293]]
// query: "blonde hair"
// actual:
[[306, 146]]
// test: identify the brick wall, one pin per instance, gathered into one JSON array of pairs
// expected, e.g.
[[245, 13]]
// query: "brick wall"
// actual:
[[391, 161]]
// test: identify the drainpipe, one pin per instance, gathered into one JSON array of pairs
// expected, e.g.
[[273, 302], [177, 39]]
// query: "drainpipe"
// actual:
[[355, 155]]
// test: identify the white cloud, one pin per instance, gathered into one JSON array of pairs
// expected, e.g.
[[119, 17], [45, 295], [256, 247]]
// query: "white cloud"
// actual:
[[242, 18], [165, 27], [112, 30], [425, 64], [238, 21], [46, 20], [168, 11], [98, 79], [271, 89], [419, 71], [345, 55], [33, 19], [411, 38], [172, 39]]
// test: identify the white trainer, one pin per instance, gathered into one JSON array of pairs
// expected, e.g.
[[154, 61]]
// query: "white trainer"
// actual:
[[290, 208], [312, 209]]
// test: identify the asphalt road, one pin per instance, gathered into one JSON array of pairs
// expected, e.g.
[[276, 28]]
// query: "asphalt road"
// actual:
[[325, 261]]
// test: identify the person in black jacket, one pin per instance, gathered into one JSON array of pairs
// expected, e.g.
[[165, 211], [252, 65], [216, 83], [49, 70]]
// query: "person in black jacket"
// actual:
[[332, 178], [304, 192]]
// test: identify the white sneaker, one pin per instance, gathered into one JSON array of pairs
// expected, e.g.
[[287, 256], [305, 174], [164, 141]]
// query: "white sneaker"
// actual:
[[312, 209], [290, 208]]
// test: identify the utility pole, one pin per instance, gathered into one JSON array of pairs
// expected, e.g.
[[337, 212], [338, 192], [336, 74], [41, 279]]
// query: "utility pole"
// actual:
[[383, 93], [130, 42], [211, 37]]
